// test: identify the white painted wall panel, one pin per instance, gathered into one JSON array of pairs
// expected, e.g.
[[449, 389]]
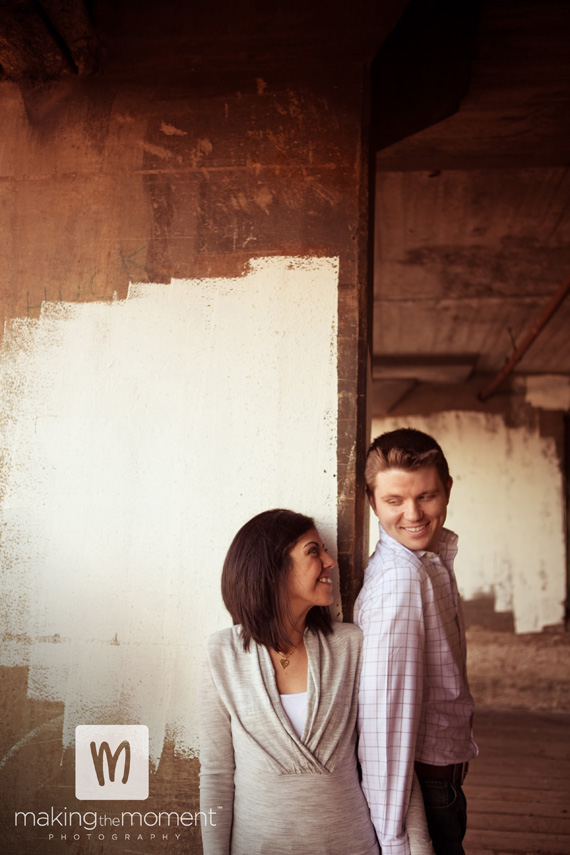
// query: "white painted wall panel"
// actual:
[[136, 438]]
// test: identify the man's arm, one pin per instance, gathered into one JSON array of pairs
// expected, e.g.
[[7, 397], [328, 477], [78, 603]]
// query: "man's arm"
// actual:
[[390, 700]]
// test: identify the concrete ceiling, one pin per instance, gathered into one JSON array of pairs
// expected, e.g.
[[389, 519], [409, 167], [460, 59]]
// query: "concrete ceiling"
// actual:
[[45, 39], [472, 226]]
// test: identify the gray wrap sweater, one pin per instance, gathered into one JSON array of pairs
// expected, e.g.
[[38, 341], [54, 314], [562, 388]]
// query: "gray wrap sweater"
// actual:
[[269, 792]]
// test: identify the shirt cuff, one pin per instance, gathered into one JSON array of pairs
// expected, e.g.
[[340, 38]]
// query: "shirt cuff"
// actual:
[[396, 846]]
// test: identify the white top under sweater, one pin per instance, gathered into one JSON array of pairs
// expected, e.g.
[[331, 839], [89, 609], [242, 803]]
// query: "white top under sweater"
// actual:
[[295, 706]]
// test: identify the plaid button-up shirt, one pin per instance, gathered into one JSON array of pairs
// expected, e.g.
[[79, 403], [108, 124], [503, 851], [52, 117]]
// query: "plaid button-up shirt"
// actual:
[[414, 700]]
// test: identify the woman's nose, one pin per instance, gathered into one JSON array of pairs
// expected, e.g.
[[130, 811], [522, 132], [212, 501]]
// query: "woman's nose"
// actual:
[[327, 561]]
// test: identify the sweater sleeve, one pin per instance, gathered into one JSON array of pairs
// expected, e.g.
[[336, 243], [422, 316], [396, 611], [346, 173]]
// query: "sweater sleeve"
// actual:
[[416, 823], [217, 767]]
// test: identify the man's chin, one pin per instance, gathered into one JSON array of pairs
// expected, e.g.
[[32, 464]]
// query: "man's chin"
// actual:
[[416, 541]]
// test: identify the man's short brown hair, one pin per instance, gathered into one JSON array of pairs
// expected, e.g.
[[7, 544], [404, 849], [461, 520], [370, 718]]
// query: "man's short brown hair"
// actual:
[[404, 448]]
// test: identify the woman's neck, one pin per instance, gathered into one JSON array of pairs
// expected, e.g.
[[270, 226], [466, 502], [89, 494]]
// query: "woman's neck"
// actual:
[[294, 640], [296, 630]]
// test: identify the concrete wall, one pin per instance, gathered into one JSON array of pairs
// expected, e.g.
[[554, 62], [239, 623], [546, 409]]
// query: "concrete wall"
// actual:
[[507, 505], [142, 423]]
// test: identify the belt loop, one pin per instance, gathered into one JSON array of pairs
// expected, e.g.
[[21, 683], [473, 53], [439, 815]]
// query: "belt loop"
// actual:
[[459, 773]]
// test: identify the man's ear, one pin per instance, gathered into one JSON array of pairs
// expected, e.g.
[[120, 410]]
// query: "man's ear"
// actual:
[[449, 486], [370, 496]]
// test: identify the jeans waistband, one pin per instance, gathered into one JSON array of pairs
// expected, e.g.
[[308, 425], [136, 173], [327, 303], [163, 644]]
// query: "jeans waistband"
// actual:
[[454, 772]]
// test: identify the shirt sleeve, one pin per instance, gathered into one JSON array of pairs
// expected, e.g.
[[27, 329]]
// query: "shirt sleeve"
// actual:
[[217, 766], [390, 701]]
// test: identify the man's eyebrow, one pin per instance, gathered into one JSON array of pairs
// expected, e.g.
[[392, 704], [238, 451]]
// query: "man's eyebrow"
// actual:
[[311, 543]]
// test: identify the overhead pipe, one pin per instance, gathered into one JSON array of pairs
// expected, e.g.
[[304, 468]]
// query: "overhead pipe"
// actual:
[[530, 337]]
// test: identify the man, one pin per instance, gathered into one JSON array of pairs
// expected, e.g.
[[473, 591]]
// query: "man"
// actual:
[[415, 709]]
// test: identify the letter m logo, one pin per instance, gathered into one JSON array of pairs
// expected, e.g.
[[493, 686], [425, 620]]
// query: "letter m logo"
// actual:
[[102, 753], [105, 751]]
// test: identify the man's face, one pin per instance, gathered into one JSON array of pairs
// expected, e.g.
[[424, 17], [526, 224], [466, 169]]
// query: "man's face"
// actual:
[[411, 506]]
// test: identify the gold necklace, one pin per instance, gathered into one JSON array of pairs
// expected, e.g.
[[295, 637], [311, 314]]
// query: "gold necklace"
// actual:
[[285, 661]]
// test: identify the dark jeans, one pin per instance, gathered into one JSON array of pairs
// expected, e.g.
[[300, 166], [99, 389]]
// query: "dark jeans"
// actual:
[[446, 812]]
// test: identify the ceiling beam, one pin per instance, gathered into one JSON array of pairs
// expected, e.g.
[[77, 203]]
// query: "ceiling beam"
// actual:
[[548, 312], [432, 368], [421, 72]]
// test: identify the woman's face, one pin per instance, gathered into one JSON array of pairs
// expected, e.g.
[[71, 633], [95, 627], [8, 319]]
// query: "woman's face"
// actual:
[[310, 581]]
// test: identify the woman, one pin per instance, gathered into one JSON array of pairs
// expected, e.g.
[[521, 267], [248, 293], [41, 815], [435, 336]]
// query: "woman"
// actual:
[[278, 703]]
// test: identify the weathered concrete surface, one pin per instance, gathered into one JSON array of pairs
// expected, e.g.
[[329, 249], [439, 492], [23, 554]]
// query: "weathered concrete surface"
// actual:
[[105, 182], [528, 672]]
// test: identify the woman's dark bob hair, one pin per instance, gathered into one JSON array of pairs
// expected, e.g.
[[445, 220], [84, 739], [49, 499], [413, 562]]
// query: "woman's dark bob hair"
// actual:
[[254, 578]]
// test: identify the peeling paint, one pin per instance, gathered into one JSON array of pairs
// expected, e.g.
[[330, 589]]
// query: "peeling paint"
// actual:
[[156, 150], [548, 391], [204, 147], [254, 165], [124, 119], [263, 198], [295, 105], [172, 130]]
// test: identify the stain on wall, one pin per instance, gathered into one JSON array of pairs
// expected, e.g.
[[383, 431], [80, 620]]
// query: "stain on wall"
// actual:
[[136, 437]]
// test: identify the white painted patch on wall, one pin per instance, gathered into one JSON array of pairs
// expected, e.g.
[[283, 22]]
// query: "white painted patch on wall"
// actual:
[[548, 391], [136, 438], [507, 507]]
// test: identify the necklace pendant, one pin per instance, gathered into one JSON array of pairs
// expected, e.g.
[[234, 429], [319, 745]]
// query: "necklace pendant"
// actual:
[[284, 663]]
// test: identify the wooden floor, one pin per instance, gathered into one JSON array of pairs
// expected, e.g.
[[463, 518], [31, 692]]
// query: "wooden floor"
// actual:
[[518, 789]]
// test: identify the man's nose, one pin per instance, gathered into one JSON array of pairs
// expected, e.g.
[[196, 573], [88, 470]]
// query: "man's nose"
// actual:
[[413, 511]]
